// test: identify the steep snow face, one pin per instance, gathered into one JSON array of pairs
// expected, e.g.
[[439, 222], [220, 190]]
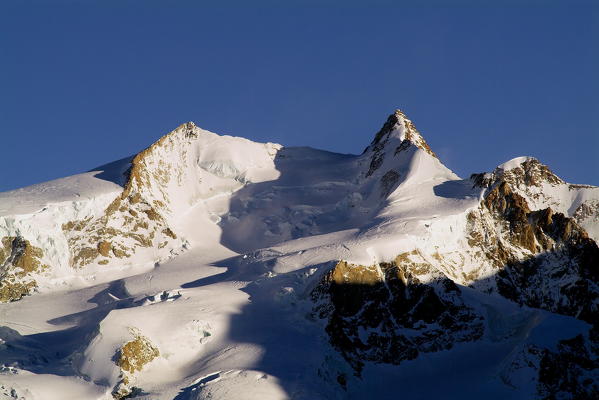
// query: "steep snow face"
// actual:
[[38, 214], [396, 179], [191, 164]]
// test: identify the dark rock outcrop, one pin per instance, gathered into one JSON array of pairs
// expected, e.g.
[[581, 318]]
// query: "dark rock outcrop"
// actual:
[[384, 314]]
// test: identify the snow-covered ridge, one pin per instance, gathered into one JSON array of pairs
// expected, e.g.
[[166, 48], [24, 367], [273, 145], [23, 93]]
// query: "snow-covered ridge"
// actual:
[[514, 163], [189, 163], [88, 222], [189, 271], [85, 221], [542, 189]]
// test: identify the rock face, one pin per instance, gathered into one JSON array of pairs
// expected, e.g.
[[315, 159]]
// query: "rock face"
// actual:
[[568, 371], [544, 259], [132, 358], [542, 189], [138, 217], [397, 134], [400, 127], [19, 264], [571, 370], [385, 313]]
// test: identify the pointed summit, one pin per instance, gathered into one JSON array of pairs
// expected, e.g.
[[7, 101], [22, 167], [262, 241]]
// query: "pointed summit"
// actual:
[[400, 127], [397, 135]]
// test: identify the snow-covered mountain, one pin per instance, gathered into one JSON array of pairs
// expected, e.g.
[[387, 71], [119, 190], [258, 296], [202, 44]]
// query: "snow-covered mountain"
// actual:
[[210, 266]]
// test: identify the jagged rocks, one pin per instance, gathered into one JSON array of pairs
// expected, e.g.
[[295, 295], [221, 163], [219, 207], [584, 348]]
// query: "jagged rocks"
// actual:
[[534, 181], [530, 172], [131, 358], [137, 218], [572, 370], [136, 353], [521, 172], [127, 225], [19, 261], [511, 207], [542, 258], [383, 313], [568, 371], [104, 248], [406, 129], [400, 128], [588, 210], [587, 216]]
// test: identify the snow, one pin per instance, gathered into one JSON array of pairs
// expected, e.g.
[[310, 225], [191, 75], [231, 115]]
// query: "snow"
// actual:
[[261, 223], [77, 189], [26, 385], [515, 163]]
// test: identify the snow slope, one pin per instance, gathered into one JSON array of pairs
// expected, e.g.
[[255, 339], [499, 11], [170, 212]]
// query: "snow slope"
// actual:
[[210, 266]]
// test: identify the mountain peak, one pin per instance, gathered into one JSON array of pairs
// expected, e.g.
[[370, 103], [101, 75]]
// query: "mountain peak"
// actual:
[[355, 263], [518, 162], [398, 135], [138, 173], [519, 172], [399, 126], [528, 171]]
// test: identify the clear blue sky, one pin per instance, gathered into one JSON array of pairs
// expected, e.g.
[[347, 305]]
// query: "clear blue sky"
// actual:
[[83, 83]]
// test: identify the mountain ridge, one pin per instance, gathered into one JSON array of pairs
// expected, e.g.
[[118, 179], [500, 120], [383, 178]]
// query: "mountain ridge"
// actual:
[[369, 261]]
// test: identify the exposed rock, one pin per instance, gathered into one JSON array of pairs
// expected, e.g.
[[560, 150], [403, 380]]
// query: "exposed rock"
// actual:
[[132, 358], [572, 371], [19, 262], [587, 213], [123, 392], [399, 127], [542, 188], [135, 354], [569, 371], [137, 217], [104, 248], [116, 232], [375, 162], [543, 258], [529, 172], [388, 182], [383, 313], [408, 132], [12, 291]]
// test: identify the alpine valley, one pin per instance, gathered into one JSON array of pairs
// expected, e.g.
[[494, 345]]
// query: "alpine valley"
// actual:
[[214, 267]]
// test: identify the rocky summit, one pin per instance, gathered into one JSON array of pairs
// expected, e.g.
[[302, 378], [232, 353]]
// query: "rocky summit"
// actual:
[[214, 267]]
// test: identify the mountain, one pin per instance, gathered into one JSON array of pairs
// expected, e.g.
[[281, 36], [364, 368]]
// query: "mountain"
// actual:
[[213, 267]]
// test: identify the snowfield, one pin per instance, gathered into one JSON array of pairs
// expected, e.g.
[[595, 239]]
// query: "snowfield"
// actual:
[[191, 271]]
